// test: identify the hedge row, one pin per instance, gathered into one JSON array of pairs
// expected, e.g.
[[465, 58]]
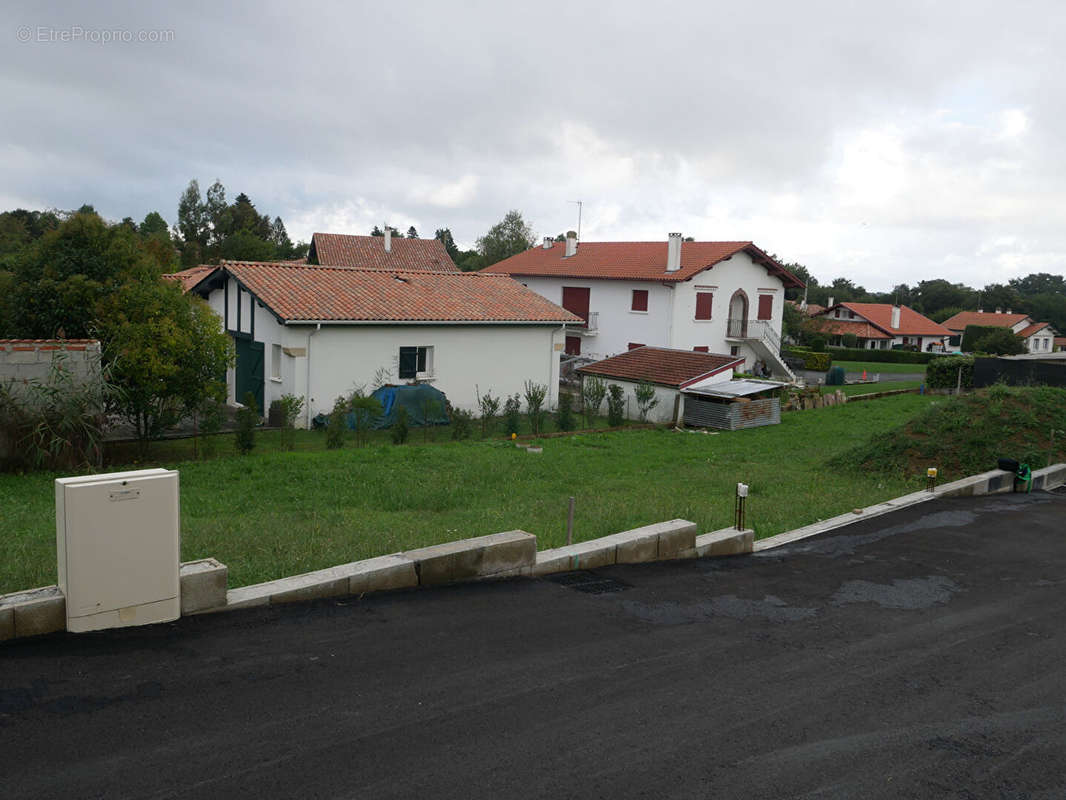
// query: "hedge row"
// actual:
[[888, 356], [973, 334], [816, 361], [943, 372]]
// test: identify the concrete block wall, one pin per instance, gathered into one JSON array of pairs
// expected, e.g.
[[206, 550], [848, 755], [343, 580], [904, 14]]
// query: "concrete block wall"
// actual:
[[25, 360]]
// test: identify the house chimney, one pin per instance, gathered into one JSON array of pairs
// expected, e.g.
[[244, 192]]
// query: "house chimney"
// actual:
[[999, 310], [895, 318], [830, 302], [388, 239], [571, 244], [547, 243], [673, 252], [1009, 311]]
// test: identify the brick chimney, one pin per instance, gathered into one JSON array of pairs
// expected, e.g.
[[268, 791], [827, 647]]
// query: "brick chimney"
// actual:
[[571, 244], [388, 239], [895, 318], [673, 252]]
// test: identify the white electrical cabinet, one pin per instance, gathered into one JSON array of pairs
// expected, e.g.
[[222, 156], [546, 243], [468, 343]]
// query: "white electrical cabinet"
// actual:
[[118, 548]]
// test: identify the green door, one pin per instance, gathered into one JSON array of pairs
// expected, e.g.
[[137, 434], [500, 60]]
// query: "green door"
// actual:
[[249, 369]]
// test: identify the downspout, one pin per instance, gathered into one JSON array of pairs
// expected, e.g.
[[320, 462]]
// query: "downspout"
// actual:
[[307, 388], [553, 361]]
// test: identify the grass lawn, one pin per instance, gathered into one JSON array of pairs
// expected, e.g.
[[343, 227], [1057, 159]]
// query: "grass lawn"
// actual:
[[881, 367], [886, 385], [273, 514]]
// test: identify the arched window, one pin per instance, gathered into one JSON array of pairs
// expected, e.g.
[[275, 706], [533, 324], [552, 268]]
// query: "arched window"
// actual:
[[738, 314]]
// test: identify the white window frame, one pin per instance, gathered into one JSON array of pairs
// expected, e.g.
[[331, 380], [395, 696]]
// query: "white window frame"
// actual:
[[275, 362]]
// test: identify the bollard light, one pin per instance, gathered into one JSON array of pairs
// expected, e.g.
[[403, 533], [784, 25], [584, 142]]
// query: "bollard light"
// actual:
[[738, 511]]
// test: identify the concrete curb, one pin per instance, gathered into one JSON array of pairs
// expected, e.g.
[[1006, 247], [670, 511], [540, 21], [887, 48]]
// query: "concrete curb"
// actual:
[[202, 585], [32, 612], [662, 541], [725, 542]]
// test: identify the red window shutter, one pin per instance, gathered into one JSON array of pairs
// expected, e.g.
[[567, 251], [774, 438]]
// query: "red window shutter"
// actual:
[[766, 306], [640, 300], [635, 345], [701, 349], [573, 345], [576, 301], [704, 300]]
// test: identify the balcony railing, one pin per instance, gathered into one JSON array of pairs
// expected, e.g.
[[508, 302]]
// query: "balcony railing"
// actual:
[[737, 329], [591, 323]]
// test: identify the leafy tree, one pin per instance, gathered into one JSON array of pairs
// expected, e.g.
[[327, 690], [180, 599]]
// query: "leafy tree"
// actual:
[[377, 231], [507, 237], [933, 295], [444, 236], [1001, 296], [193, 223], [336, 426], [535, 394], [154, 226], [246, 246], [512, 413], [1000, 341], [291, 406], [1039, 283], [412, 233], [490, 407], [593, 390], [471, 261], [564, 415], [166, 350]]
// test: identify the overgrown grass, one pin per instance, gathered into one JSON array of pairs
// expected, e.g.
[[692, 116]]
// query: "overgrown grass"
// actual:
[[968, 434], [880, 367], [273, 514]]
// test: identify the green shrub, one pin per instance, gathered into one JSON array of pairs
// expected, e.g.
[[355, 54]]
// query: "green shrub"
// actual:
[[289, 408], [850, 340], [462, 422], [365, 409], [336, 426], [817, 361], [593, 390], [400, 428], [1001, 342], [490, 407], [646, 399], [564, 416], [943, 372], [512, 413], [616, 405], [535, 394], [884, 356], [247, 419], [973, 334], [817, 343]]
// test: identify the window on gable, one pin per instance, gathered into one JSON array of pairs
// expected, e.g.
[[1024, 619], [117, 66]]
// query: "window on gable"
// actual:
[[639, 301], [704, 303], [415, 362]]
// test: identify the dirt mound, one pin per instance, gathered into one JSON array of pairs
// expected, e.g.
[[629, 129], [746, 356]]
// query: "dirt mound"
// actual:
[[968, 434]]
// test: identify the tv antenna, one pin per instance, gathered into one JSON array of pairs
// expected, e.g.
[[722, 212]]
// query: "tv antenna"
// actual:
[[578, 217]]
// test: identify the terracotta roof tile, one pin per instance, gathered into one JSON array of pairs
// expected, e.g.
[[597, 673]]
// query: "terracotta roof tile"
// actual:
[[988, 318], [864, 330], [911, 323], [661, 365], [368, 252], [304, 292], [635, 261], [189, 277], [1036, 327]]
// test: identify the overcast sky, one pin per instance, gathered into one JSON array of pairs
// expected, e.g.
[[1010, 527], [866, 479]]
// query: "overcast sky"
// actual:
[[885, 142]]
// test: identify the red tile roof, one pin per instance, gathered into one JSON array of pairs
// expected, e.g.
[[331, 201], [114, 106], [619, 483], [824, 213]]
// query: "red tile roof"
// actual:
[[634, 261], [189, 277], [368, 252], [661, 365], [864, 330], [911, 323], [304, 292], [1036, 327], [959, 322]]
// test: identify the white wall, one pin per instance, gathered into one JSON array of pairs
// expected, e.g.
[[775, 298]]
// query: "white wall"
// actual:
[[671, 317], [663, 411], [618, 326]]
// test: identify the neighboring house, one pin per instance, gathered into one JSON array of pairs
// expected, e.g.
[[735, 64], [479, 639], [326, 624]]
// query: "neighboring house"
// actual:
[[1039, 336], [881, 326], [1060, 343], [379, 252], [810, 309], [670, 371], [718, 297], [318, 332]]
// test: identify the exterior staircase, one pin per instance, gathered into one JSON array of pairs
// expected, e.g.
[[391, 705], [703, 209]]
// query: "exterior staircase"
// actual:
[[766, 343]]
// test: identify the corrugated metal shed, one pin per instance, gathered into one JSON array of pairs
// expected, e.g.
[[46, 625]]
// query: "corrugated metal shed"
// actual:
[[741, 388], [726, 407]]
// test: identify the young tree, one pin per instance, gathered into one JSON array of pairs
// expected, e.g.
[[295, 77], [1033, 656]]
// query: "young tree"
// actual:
[[247, 419], [444, 236], [490, 407], [646, 399], [365, 409], [507, 237], [535, 394], [593, 390], [412, 233], [616, 405]]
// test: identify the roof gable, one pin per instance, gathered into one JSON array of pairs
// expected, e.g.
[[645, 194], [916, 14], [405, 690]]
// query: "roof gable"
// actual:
[[298, 292], [911, 323], [639, 261], [986, 318], [368, 252], [662, 365]]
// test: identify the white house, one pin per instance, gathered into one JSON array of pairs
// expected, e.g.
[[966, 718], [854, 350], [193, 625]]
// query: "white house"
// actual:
[[718, 297], [1039, 336], [318, 332], [880, 326]]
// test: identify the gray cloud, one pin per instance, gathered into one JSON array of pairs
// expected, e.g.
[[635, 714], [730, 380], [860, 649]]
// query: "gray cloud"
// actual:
[[889, 143]]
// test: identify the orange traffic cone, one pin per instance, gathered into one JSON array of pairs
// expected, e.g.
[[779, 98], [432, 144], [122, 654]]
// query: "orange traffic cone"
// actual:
[[864, 376]]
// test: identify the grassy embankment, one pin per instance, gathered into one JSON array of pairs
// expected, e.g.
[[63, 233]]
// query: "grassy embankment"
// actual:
[[272, 514]]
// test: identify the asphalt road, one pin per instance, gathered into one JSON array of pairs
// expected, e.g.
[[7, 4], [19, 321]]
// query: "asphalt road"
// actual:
[[919, 654]]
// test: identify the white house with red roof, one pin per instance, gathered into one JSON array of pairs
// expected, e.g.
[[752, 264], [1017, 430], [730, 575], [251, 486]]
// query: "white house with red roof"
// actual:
[[717, 297], [318, 332], [881, 326], [379, 252], [1039, 336]]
